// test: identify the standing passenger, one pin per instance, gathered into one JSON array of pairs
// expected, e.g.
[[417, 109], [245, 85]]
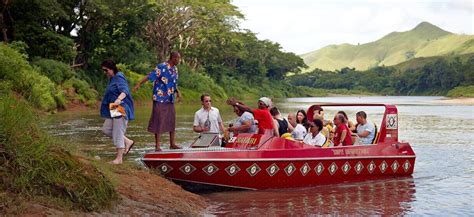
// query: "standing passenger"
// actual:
[[165, 94], [117, 94], [208, 118]]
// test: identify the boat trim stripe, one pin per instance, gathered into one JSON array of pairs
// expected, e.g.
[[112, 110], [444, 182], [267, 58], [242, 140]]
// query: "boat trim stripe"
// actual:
[[274, 159], [207, 183]]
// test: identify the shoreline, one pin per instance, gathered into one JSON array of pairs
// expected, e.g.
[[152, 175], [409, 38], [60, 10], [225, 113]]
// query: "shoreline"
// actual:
[[457, 101]]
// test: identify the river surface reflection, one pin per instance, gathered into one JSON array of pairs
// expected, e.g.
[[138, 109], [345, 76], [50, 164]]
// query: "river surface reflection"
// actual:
[[441, 134], [389, 197]]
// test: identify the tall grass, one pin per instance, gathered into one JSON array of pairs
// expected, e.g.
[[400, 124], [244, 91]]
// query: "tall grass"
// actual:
[[36, 165]]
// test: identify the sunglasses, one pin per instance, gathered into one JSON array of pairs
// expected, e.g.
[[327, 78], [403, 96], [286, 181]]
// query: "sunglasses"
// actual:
[[207, 100], [105, 70]]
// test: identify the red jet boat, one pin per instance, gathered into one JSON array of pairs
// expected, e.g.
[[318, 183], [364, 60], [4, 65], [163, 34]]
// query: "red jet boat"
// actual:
[[254, 161]]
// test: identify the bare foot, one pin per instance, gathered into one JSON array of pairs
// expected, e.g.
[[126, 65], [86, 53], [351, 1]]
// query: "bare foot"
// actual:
[[174, 147], [115, 162]]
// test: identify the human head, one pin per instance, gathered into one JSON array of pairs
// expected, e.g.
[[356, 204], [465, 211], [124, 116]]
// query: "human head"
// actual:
[[206, 101], [344, 114], [361, 117], [339, 119], [316, 126], [109, 68], [301, 117], [264, 102], [238, 111], [274, 111], [175, 58], [318, 112], [292, 119]]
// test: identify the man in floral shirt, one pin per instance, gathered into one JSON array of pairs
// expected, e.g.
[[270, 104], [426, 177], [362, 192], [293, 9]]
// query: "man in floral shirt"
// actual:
[[165, 94]]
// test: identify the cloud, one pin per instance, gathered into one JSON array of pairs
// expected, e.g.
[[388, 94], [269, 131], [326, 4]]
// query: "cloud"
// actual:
[[305, 25]]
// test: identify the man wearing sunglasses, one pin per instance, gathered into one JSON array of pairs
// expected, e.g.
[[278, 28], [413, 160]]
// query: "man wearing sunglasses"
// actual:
[[208, 119]]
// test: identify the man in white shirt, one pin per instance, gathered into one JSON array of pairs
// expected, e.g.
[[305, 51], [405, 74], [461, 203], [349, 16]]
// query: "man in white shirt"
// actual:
[[365, 130], [208, 118], [315, 137]]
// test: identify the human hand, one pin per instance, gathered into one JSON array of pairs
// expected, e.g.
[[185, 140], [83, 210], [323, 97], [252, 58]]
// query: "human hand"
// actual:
[[135, 88], [117, 101], [231, 101], [178, 97]]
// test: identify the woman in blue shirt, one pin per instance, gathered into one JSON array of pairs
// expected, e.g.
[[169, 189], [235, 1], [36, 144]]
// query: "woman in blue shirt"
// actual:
[[117, 94]]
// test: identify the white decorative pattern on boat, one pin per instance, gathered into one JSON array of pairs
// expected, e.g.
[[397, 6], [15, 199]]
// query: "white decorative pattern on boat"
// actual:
[[232, 169], [359, 167], [371, 167], [406, 165], [290, 169], [253, 170], [346, 167], [333, 168], [395, 166], [187, 169], [383, 166], [165, 168], [319, 168], [305, 169], [210, 169], [272, 169]]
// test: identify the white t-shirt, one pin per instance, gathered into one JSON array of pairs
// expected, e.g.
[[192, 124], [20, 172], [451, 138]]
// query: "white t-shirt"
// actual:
[[202, 116], [246, 116], [366, 127], [318, 140], [299, 132]]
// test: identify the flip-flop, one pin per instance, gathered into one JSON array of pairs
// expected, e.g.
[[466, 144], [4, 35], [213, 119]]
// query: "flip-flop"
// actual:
[[133, 143]]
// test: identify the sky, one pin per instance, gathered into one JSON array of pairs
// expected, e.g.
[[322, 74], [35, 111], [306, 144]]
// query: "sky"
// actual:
[[302, 26]]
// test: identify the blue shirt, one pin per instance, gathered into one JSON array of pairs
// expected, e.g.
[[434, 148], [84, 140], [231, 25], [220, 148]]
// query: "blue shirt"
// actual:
[[165, 81], [117, 84]]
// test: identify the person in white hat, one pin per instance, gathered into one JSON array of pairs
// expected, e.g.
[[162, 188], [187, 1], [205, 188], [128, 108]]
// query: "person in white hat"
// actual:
[[262, 114]]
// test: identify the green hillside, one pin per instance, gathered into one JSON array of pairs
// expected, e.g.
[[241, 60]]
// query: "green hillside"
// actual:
[[424, 40]]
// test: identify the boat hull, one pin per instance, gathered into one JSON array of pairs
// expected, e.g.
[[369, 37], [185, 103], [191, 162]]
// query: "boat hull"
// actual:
[[264, 169]]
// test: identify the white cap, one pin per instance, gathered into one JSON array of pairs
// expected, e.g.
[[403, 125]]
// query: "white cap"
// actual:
[[267, 101]]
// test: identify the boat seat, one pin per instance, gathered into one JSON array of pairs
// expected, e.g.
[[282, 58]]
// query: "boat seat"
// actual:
[[376, 136]]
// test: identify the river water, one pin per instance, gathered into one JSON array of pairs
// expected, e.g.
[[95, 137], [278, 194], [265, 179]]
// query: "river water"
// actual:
[[441, 134]]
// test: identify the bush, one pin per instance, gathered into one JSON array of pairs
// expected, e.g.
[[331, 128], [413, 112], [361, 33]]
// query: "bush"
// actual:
[[80, 90], [54, 70], [27, 81], [462, 91], [37, 165]]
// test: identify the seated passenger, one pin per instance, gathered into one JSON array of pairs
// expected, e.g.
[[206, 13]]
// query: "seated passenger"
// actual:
[[342, 135], [325, 131], [245, 122], [350, 125], [301, 118], [314, 136], [292, 120], [281, 124], [365, 130], [318, 113], [261, 115], [299, 132]]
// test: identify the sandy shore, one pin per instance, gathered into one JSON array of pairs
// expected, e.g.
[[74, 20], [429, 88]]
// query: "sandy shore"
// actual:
[[460, 101]]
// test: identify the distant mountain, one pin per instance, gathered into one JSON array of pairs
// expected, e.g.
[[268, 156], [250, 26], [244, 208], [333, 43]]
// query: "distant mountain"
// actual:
[[424, 40]]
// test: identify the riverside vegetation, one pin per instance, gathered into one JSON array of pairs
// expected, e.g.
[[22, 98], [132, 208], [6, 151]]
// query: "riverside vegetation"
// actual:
[[50, 60]]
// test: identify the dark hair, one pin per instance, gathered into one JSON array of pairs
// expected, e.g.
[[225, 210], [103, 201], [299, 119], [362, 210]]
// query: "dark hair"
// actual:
[[274, 111], [110, 64], [341, 118], [204, 95], [173, 53], [318, 108], [343, 113], [319, 124], [305, 120], [362, 114]]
